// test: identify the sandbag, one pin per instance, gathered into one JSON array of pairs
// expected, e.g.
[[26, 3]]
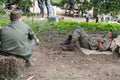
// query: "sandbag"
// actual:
[[11, 67]]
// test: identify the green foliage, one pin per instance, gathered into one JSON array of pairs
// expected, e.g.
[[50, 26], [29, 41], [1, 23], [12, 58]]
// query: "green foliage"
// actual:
[[22, 4], [85, 5], [59, 2], [4, 19], [64, 27], [29, 14], [3, 22], [68, 26], [2, 11], [107, 6], [38, 26]]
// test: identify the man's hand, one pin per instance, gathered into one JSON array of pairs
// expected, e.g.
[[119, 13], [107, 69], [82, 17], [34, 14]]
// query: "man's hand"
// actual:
[[37, 41], [100, 45], [99, 40]]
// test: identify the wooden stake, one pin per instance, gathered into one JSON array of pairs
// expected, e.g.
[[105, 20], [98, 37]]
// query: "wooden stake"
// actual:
[[33, 11], [31, 77]]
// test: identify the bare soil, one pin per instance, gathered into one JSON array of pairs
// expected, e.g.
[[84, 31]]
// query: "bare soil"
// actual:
[[49, 62]]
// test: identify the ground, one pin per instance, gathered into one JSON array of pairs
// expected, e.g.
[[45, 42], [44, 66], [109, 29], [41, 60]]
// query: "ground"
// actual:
[[50, 63]]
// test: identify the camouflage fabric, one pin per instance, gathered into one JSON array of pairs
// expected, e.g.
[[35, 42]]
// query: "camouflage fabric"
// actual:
[[81, 37], [115, 45], [106, 44], [93, 43], [83, 40]]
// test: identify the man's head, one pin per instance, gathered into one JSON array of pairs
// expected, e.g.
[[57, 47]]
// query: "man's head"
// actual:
[[112, 34], [15, 15]]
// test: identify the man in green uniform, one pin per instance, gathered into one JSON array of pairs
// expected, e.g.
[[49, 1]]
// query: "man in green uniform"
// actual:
[[17, 38], [81, 39]]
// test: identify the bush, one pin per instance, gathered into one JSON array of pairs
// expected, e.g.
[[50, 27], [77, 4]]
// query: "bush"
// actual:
[[67, 26], [59, 2], [2, 11], [38, 26], [29, 14]]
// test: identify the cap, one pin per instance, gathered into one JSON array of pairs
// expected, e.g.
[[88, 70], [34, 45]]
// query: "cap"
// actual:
[[114, 33]]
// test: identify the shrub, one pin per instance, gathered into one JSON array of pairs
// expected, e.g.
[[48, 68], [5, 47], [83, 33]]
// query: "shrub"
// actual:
[[67, 26], [2, 11], [38, 26], [59, 2]]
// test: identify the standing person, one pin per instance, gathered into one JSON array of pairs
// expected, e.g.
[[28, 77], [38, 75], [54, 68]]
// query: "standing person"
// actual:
[[17, 38], [70, 4], [42, 4]]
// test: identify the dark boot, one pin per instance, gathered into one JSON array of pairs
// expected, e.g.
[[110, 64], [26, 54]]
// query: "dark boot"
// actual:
[[28, 64], [68, 40], [69, 47]]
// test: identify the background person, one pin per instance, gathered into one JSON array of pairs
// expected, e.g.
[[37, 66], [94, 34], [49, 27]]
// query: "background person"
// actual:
[[70, 4], [42, 4]]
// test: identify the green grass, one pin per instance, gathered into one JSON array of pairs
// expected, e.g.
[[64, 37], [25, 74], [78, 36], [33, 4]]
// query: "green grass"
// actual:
[[3, 22], [4, 19], [64, 27], [38, 25], [68, 26]]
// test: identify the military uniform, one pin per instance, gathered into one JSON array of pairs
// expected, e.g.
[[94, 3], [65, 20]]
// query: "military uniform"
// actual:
[[80, 37], [115, 46], [15, 39], [84, 40]]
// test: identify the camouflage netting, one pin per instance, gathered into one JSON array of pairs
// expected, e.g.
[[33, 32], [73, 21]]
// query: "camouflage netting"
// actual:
[[11, 67]]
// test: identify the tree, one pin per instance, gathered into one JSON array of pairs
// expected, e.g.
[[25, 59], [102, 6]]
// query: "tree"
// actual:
[[101, 6], [106, 6], [21, 4]]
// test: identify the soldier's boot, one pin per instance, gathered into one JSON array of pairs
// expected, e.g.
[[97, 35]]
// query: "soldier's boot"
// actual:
[[28, 64], [68, 40], [69, 47]]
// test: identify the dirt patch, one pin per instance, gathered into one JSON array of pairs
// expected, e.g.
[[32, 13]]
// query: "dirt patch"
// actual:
[[51, 63]]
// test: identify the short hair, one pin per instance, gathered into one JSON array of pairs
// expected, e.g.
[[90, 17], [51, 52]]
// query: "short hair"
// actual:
[[15, 15]]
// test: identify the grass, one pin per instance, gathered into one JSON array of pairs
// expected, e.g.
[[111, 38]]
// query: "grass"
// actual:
[[65, 26], [68, 26]]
